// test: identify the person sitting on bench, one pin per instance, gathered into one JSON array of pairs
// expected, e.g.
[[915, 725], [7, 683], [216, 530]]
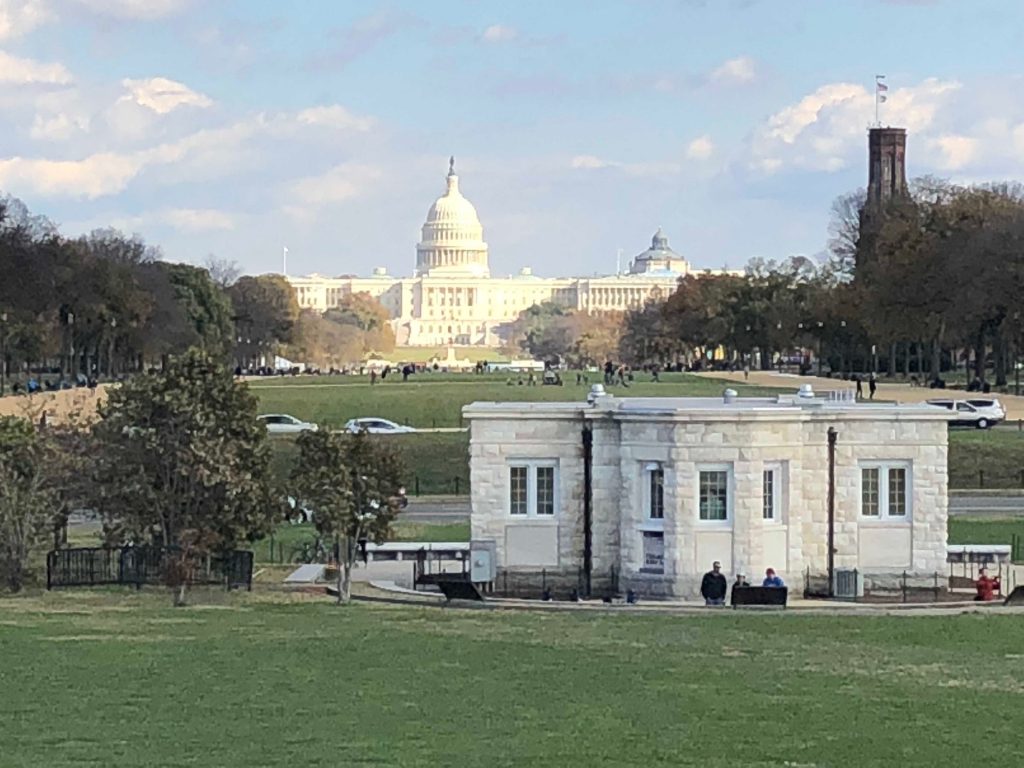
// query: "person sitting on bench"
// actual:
[[771, 580], [986, 586], [741, 581]]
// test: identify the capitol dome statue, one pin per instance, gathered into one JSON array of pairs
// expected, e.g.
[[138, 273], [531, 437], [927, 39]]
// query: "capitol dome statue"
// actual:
[[452, 241]]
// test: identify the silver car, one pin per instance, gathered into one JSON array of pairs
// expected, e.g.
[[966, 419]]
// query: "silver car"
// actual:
[[377, 426], [283, 424]]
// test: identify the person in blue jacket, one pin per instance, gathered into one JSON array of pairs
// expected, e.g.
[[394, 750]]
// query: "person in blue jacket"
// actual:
[[772, 580]]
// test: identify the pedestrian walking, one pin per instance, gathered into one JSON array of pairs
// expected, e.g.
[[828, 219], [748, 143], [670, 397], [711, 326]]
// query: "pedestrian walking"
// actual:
[[713, 586], [872, 386]]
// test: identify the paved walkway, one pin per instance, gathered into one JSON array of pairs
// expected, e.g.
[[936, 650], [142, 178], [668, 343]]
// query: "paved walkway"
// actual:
[[904, 393]]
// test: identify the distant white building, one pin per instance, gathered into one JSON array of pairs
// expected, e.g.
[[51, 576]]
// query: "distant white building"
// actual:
[[454, 300], [666, 486]]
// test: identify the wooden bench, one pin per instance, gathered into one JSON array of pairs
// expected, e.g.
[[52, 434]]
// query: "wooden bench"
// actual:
[[773, 596]]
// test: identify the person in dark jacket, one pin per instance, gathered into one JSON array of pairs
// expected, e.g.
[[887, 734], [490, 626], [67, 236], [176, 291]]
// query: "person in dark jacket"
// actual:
[[713, 585]]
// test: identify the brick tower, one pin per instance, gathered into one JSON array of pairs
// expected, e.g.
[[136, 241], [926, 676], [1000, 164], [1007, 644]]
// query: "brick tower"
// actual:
[[887, 169]]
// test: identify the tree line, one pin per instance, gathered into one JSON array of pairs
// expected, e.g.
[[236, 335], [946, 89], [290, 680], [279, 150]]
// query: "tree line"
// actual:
[[107, 304], [920, 285]]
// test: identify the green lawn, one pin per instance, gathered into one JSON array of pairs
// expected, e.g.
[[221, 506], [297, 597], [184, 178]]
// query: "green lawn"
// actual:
[[94, 679], [977, 458], [987, 530], [436, 400], [436, 463], [986, 458]]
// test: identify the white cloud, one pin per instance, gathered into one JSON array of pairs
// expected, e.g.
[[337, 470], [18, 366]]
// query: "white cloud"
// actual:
[[340, 184], [197, 219], [499, 33], [954, 151], [135, 10], [700, 148], [19, 17], [334, 116], [59, 127], [589, 162], [738, 71], [104, 173], [824, 130], [162, 95], [30, 72]]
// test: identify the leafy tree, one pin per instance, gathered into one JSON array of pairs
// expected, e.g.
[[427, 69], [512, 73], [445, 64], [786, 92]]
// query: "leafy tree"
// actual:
[[206, 307], [27, 499], [353, 485], [362, 311], [266, 311], [181, 460]]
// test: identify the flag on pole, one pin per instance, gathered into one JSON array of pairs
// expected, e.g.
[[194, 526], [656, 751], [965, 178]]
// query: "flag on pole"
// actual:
[[880, 88]]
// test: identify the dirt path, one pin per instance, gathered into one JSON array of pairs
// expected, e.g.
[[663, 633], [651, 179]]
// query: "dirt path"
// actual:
[[903, 393], [58, 406]]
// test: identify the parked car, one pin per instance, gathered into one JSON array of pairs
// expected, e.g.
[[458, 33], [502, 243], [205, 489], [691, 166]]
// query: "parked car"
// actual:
[[377, 426], [283, 424], [980, 412]]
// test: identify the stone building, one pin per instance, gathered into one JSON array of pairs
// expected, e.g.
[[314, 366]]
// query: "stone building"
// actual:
[[645, 493], [453, 299]]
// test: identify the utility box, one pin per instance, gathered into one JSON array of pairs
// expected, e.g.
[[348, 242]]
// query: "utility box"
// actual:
[[483, 561], [848, 584]]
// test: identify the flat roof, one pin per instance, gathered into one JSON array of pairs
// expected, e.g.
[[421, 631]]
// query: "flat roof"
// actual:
[[840, 403]]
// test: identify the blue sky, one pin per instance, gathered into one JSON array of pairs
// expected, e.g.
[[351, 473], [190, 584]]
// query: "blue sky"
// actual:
[[235, 128]]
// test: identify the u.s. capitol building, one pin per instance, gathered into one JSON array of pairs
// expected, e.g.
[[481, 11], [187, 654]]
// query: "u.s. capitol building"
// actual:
[[454, 300]]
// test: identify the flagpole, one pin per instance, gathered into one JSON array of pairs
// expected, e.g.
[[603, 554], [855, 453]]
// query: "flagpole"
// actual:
[[284, 262], [879, 87]]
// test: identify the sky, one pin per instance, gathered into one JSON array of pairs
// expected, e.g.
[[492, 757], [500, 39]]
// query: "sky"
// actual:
[[235, 128]]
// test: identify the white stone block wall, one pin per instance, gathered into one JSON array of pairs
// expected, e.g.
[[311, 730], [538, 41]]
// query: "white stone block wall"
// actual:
[[791, 439]]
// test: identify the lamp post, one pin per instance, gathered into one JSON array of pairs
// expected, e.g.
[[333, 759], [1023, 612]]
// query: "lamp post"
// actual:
[[110, 348], [71, 341], [821, 332], [3, 354]]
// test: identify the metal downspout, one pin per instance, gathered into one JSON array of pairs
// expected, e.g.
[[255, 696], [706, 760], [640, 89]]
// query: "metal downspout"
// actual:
[[832, 436]]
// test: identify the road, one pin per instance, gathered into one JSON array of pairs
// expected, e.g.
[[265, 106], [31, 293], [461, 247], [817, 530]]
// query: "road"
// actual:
[[986, 504]]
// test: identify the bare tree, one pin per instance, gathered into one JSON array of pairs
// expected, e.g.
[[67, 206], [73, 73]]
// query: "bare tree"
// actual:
[[222, 271]]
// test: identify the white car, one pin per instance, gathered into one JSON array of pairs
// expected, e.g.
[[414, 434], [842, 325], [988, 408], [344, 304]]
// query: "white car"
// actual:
[[377, 426], [283, 424], [980, 412]]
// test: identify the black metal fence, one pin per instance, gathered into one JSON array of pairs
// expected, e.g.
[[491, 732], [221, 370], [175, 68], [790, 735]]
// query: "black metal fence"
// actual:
[[138, 566]]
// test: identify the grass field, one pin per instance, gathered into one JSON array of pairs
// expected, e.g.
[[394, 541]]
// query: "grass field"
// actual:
[[94, 679], [992, 458], [440, 461], [437, 463], [436, 400], [985, 530]]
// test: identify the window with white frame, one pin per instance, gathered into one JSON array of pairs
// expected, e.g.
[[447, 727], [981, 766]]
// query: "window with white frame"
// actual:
[[713, 495], [532, 489], [885, 490], [772, 487], [654, 491]]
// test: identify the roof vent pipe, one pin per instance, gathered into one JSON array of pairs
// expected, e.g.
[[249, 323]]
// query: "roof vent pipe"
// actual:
[[596, 391], [729, 396], [806, 390]]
